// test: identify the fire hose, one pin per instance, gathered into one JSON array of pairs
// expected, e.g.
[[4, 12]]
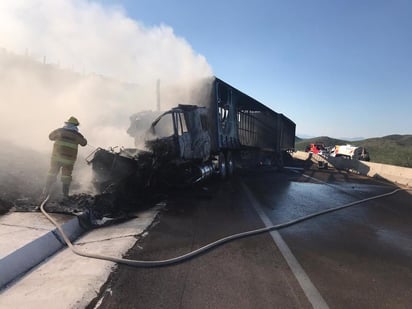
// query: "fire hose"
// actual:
[[210, 246]]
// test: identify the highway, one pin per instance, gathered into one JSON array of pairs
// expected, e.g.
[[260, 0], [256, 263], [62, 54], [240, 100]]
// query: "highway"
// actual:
[[358, 257]]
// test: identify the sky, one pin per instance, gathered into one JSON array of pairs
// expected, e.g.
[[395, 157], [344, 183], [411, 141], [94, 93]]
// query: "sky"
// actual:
[[336, 68], [62, 58]]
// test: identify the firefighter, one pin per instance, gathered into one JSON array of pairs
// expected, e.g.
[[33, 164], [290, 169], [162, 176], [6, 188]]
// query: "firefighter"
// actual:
[[66, 141]]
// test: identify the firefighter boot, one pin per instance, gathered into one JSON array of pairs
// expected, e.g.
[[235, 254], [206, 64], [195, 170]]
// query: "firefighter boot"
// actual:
[[66, 187]]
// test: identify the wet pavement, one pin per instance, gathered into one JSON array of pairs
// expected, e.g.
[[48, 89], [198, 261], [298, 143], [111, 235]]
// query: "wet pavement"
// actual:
[[359, 257], [247, 273]]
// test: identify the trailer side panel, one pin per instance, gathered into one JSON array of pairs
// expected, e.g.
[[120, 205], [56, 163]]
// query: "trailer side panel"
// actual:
[[241, 122]]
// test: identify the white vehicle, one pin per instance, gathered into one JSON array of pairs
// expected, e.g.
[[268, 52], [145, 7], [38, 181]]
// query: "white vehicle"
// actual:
[[350, 152]]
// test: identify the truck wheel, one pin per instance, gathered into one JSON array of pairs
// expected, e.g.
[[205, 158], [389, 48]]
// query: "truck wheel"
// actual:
[[230, 166], [222, 166]]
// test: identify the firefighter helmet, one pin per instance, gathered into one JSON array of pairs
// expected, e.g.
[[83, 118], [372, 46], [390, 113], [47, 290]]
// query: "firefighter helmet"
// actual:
[[73, 120]]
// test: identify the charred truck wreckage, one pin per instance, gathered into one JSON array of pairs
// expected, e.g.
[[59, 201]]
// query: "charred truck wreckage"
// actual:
[[190, 143]]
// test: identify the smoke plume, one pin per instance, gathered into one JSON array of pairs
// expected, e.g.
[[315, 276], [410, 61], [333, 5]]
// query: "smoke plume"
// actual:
[[62, 58], [76, 57]]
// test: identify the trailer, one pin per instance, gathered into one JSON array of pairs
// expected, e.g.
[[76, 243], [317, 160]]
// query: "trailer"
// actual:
[[247, 130], [224, 130]]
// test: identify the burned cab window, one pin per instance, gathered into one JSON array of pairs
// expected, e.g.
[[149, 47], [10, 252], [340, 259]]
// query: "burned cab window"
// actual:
[[164, 127], [182, 124]]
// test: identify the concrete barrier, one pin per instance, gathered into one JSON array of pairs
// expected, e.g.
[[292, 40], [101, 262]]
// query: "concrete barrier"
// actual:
[[396, 174], [22, 260]]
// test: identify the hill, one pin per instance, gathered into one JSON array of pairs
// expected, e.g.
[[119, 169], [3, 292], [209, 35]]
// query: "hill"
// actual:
[[325, 140], [392, 149]]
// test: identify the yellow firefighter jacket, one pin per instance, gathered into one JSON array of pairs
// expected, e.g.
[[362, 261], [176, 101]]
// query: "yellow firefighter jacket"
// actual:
[[65, 145]]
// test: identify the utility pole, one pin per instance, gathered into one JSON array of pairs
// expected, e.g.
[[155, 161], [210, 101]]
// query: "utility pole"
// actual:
[[158, 94]]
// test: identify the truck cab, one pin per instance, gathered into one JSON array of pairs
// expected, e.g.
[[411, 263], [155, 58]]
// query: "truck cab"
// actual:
[[181, 134]]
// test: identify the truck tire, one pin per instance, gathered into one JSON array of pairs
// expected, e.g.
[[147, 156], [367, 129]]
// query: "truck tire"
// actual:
[[222, 166], [230, 165]]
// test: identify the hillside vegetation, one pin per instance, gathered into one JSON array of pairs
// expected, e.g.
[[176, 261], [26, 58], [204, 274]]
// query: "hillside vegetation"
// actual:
[[391, 149]]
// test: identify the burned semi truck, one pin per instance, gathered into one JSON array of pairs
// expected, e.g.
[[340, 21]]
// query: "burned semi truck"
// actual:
[[225, 130]]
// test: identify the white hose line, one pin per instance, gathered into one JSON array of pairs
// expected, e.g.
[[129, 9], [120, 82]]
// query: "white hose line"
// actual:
[[189, 255]]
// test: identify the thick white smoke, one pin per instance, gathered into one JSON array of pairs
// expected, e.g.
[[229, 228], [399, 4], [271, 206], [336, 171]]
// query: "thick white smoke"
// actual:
[[67, 36], [62, 58]]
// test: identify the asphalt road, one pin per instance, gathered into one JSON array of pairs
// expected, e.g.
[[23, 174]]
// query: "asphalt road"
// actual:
[[358, 257]]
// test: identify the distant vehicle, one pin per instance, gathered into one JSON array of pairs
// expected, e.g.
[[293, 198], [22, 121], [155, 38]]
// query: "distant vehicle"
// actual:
[[316, 149], [350, 152]]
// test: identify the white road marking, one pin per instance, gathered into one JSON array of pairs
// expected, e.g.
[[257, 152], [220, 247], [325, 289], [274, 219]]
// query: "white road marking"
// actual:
[[311, 292]]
